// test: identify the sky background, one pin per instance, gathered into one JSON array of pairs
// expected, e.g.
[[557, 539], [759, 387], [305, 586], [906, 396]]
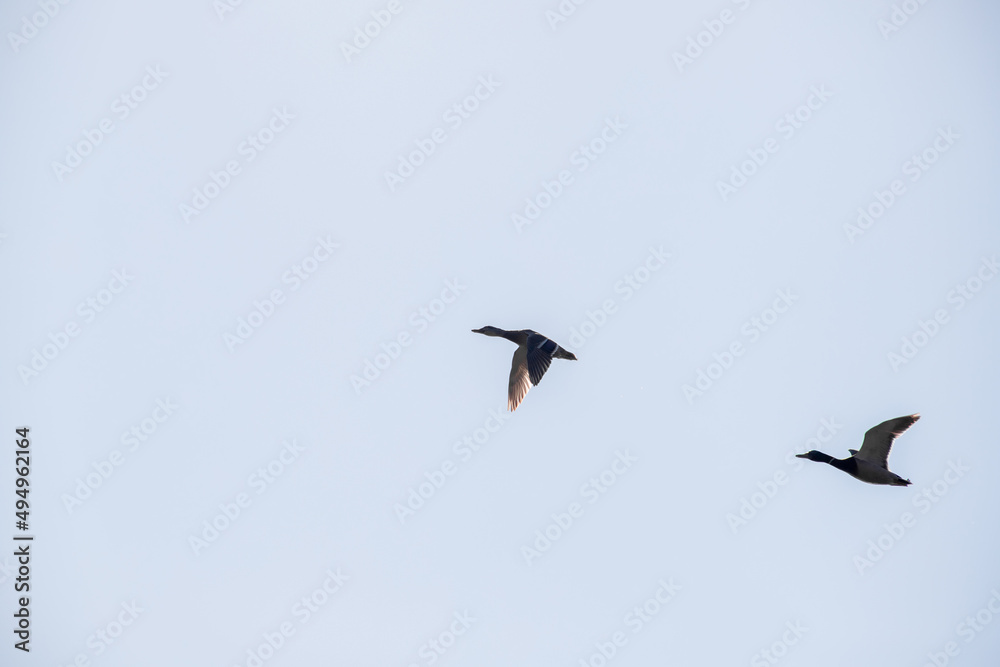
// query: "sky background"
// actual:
[[761, 551]]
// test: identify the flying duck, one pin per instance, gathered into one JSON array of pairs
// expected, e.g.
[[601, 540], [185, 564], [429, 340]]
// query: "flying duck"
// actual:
[[871, 463], [532, 357]]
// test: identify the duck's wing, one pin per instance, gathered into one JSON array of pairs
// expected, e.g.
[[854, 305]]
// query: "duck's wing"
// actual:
[[878, 440], [530, 362], [520, 378], [540, 351]]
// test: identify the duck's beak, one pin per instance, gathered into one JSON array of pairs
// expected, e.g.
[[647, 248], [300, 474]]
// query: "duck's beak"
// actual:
[[477, 331], [801, 456]]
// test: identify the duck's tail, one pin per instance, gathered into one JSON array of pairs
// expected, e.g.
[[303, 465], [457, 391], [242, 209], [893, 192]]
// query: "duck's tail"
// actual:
[[563, 354]]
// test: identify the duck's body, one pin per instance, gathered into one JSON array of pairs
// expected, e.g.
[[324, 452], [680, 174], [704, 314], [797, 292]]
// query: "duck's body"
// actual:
[[532, 358], [870, 463]]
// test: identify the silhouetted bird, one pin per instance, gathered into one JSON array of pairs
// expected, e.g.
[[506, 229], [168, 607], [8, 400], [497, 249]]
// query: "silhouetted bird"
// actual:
[[871, 463], [532, 357]]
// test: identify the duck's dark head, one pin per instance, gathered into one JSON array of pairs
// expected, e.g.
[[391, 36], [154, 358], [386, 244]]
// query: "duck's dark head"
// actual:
[[815, 456], [489, 331]]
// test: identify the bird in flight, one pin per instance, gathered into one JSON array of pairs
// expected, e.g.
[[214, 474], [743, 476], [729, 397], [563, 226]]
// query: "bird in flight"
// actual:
[[532, 358], [871, 463]]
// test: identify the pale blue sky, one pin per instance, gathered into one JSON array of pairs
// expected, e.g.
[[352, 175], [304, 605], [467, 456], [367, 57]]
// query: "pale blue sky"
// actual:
[[121, 120]]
